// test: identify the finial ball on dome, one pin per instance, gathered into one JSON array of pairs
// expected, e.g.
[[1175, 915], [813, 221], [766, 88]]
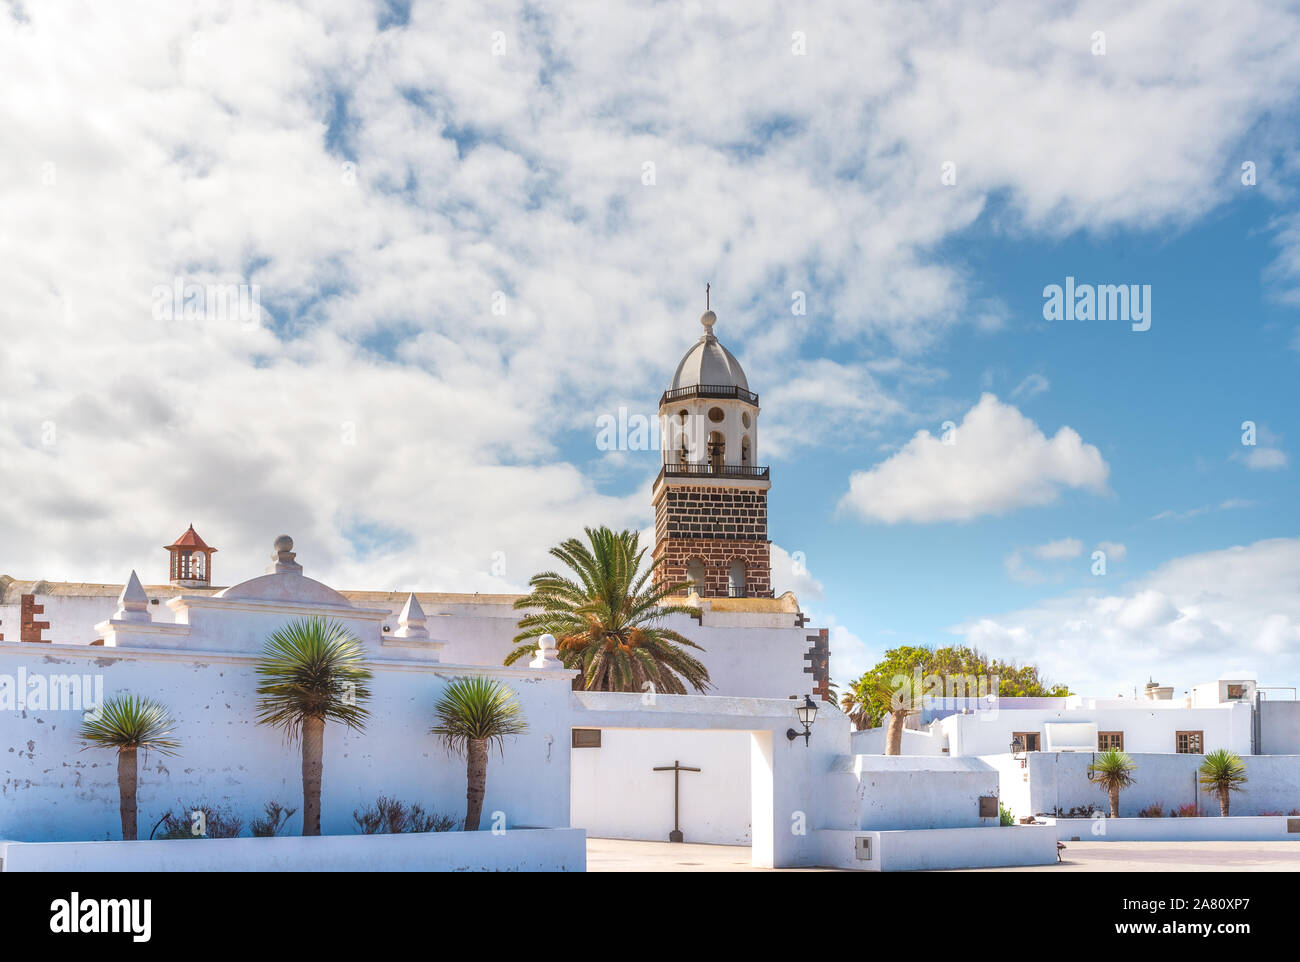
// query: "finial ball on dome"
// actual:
[[284, 543], [708, 319]]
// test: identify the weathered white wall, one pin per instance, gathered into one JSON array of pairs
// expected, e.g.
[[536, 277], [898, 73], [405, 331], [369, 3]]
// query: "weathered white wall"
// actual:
[[1145, 729], [1059, 780], [902, 792], [518, 850], [51, 790], [617, 794], [759, 654]]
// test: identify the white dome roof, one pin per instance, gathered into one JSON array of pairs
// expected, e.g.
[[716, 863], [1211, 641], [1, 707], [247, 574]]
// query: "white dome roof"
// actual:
[[708, 362]]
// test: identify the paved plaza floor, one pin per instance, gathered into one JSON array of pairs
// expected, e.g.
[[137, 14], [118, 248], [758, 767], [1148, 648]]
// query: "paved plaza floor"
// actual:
[[618, 855]]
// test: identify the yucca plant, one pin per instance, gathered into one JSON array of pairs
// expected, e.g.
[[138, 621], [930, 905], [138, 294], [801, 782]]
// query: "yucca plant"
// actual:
[[129, 724], [607, 618], [473, 714], [313, 671], [1225, 773], [1111, 771]]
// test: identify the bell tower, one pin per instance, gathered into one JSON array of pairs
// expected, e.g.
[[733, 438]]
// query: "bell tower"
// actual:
[[191, 561], [710, 497]]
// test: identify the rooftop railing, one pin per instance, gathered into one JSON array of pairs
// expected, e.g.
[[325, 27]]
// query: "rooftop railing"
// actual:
[[709, 390]]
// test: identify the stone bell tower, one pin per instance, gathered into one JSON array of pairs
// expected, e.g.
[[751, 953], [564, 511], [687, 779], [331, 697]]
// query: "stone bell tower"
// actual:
[[710, 498]]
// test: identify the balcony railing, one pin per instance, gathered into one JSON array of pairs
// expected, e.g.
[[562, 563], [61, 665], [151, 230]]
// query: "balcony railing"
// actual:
[[709, 390], [714, 471]]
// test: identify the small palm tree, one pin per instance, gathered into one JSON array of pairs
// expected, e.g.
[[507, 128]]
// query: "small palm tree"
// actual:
[[607, 618], [473, 714], [129, 723], [313, 672], [1112, 770], [1225, 773]]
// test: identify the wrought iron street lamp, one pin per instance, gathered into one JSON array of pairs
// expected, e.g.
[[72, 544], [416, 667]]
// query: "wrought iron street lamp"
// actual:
[[807, 714]]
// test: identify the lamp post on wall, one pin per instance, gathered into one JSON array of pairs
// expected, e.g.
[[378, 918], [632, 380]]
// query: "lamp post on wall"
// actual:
[[807, 714], [1018, 749]]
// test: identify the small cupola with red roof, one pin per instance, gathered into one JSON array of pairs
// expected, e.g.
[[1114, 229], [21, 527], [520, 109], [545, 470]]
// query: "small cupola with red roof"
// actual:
[[191, 561]]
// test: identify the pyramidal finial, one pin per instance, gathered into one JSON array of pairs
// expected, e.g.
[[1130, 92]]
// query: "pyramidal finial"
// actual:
[[411, 623], [133, 603]]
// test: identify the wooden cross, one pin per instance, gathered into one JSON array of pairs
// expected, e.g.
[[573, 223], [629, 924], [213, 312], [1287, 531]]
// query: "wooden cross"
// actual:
[[676, 768]]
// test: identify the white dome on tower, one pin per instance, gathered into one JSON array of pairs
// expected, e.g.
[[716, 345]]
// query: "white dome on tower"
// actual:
[[708, 362]]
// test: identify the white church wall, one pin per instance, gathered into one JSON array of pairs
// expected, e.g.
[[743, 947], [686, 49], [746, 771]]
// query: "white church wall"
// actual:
[[51, 790], [617, 794], [759, 654]]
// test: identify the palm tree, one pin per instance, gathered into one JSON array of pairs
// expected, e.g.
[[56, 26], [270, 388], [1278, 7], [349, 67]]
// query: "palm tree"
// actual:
[[1224, 772], [607, 618], [853, 705], [898, 701], [129, 723], [313, 672], [473, 714], [1112, 770]]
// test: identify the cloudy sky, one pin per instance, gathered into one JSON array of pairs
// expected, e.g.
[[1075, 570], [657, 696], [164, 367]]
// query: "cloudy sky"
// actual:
[[473, 231]]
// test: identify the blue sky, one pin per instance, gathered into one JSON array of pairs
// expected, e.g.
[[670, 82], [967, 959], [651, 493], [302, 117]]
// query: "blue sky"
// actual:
[[472, 232]]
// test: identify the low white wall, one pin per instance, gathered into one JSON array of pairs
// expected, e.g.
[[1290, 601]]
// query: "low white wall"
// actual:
[[1059, 780], [871, 741], [617, 794], [902, 792], [1263, 828], [517, 850], [947, 848]]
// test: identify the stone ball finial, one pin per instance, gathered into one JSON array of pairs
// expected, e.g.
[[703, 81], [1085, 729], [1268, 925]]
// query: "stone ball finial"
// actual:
[[708, 319], [283, 543], [546, 657]]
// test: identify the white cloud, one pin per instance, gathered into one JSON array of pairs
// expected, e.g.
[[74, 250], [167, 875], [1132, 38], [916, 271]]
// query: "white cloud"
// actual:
[[1115, 550], [999, 461], [790, 573], [1061, 548], [1031, 385], [1265, 459], [1192, 619], [152, 141]]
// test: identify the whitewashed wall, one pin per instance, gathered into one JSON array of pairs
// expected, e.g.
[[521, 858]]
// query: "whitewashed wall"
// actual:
[[902, 792], [871, 741], [758, 654], [1145, 729], [617, 794], [1059, 780], [51, 790]]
